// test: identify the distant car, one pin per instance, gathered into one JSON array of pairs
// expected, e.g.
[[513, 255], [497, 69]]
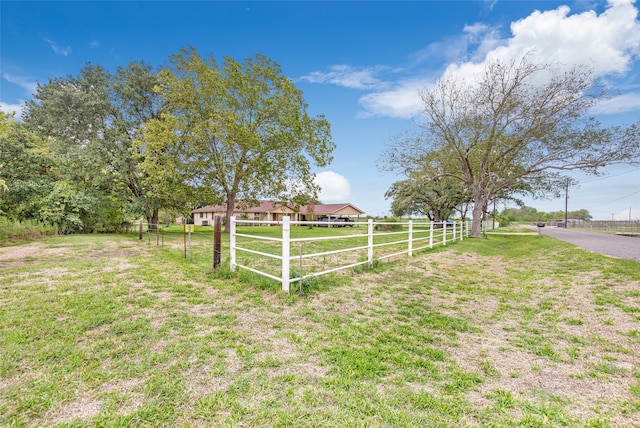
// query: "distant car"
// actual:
[[324, 220], [345, 221], [335, 221], [540, 224]]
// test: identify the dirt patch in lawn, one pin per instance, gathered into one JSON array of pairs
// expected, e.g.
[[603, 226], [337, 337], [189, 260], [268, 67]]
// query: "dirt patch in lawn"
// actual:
[[81, 408], [573, 348], [18, 254]]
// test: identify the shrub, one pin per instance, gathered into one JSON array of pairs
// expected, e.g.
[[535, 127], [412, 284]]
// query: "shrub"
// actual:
[[389, 227], [13, 230]]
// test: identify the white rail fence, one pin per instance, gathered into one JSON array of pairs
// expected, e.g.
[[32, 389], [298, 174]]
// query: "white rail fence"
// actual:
[[413, 236]]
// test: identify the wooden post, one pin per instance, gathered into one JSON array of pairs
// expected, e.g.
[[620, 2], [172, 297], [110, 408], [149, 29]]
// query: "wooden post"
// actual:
[[141, 230], [217, 227]]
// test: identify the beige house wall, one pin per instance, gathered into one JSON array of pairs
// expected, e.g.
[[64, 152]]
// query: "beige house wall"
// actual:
[[277, 213]]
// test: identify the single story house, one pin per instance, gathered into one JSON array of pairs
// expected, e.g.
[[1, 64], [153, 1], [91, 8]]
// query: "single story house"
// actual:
[[275, 211]]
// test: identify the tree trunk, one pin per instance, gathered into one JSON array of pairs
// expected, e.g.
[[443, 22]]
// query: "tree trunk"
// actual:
[[479, 206], [231, 203], [152, 219]]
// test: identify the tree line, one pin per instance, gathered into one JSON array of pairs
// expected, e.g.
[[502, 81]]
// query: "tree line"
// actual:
[[96, 150], [530, 214]]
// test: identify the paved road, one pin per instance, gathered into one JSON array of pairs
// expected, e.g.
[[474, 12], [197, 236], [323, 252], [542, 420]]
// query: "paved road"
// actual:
[[626, 247]]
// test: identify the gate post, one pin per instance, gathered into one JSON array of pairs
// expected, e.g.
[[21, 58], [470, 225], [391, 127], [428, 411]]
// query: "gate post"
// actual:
[[431, 234], [286, 235], [370, 241], [410, 250], [444, 232], [232, 242]]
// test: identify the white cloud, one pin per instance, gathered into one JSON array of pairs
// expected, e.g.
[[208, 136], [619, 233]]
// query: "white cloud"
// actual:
[[620, 104], [57, 49], [346, 76], [29, 85], [401, 102], [608, 42], [12, 108], [333, 187]]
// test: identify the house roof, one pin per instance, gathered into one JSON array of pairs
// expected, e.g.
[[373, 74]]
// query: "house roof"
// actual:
[[329, 209], [269, 206], [262, 207]]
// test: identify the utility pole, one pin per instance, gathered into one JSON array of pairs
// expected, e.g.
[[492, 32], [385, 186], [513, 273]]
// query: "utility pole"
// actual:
[[494, 215], [566, 203]]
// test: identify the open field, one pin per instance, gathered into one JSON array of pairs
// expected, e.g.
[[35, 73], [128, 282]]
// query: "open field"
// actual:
[[512, 330]]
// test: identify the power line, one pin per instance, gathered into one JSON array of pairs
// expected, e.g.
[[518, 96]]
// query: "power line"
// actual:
[[615, 200], [609, 176]]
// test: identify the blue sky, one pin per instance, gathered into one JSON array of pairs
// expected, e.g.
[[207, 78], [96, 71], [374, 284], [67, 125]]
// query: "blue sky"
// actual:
[[361, 64]]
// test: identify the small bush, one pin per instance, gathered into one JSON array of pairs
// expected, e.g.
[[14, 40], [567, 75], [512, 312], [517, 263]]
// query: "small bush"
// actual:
[[15, 230], [389, 227]]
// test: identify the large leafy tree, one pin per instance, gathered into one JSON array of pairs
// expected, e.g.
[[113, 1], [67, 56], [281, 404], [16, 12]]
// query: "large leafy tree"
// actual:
[[236, 132], [133, 92], [91, 121], [435, 197], [519, 125], [25, 170], [75, 115]]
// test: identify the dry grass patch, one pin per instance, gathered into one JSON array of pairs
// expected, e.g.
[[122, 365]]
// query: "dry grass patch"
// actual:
[[510, 331]]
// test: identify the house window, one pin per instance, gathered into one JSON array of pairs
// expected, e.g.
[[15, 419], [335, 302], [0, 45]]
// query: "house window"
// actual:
[[201, 215]]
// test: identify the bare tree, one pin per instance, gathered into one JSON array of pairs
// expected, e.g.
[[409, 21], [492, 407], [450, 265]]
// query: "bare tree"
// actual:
[[517, 127]]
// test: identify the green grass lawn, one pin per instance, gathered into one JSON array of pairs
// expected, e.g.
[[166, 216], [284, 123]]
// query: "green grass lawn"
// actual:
[[104, 330]]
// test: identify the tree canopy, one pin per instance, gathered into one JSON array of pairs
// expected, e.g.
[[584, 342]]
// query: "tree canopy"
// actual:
[[235, 132], [428, 192], [97, 149], [516, 128]]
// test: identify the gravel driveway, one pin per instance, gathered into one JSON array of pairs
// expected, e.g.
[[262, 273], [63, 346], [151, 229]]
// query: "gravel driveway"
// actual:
[[626, 247]]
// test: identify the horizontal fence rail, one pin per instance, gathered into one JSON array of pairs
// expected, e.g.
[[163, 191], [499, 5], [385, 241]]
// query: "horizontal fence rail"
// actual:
[[359, 249]]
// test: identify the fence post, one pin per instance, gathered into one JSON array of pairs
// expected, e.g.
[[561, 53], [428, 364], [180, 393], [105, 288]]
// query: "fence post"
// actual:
[[370, 241], [461, 230], [431, 234], [141, 230], [444, 233], [217, 226], [232, 242], [286, 234], [455, 235], [410, 251]]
